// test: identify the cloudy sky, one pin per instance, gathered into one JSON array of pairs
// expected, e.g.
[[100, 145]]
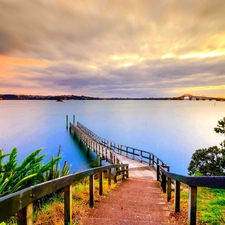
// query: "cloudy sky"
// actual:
[[112, 48]]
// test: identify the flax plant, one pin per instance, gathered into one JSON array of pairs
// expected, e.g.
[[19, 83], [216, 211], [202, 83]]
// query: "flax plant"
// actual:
[[31, 171]]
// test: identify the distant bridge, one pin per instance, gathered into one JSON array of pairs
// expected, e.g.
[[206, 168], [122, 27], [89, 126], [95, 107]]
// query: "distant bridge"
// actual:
[[197, 97]]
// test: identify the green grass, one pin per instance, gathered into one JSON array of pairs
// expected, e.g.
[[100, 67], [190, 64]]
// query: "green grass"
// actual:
[[52, 212], [211, 206]]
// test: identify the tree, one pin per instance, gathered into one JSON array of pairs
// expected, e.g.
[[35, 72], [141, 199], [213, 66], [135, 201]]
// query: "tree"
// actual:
[[220, 129], [210, 161]]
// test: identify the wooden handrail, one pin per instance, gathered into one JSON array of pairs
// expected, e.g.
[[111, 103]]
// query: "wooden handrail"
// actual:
[[22, 201], [165, 178], [94, 145]]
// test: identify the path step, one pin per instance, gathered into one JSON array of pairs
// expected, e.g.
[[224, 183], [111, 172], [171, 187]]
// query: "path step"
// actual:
[[134, 201]]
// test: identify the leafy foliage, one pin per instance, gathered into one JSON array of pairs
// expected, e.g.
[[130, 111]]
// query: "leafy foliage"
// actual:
[[31, 171], [220, 129], [210, 161]]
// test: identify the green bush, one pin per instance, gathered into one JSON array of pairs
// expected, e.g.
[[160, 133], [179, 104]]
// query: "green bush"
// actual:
[[31, 171], [210, 161]]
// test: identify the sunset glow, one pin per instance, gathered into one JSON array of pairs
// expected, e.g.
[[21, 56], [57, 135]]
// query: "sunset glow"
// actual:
[[112, 48]]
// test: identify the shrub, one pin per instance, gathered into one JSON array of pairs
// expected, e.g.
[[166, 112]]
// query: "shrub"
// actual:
[[31, 171]]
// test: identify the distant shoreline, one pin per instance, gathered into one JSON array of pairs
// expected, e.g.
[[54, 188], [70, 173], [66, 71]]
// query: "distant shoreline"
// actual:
[[66, 97], [75, 97]]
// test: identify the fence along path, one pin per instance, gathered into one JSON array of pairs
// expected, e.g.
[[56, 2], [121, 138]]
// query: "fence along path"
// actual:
[[138, 199]]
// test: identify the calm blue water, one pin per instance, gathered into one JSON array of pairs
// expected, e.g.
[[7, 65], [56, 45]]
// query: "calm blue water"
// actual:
[[172, 130]]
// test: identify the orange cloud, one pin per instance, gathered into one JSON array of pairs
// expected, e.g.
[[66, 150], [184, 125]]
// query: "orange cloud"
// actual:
[[7, 63]]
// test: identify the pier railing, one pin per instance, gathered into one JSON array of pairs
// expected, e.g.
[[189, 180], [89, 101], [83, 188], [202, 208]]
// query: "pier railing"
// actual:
[[166, 178], [21, 202], [130, 152], [103, 152]]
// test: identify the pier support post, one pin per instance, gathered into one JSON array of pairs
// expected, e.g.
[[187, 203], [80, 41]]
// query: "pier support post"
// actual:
[[100, 160], [67, 122], [88, 152], [73, 119]]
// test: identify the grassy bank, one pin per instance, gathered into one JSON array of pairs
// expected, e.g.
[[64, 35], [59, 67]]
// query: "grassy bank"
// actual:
[[51, 212], [210, 206]]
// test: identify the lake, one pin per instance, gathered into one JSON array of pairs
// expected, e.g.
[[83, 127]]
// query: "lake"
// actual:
[[172, 130]]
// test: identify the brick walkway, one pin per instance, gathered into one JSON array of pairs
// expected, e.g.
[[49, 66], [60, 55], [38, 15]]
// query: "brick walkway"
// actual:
[[137, 200]]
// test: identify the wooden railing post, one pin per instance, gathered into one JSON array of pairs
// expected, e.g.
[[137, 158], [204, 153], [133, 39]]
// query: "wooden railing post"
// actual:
[[133, 153], [101, 183], [177, 196], [110, 158], [25, 215], [109, 177], [164, 183], [106, 154], [141, 156], [192, 205], [157, 172], [115, 174], [127, 171], [91, 191], [168, 189], [68, 204]]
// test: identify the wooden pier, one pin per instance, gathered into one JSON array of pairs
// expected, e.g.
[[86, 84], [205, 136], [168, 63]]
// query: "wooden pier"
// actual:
[[138, 199]]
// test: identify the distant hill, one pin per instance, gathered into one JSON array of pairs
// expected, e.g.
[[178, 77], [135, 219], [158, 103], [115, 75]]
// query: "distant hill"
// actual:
[[65, 97]]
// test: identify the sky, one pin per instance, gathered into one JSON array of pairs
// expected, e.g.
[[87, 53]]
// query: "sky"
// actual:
[[112, 48]]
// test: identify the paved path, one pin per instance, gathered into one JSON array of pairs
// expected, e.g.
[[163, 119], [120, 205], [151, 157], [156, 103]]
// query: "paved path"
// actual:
[[137, 169], [138, 200], [132, 202]]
